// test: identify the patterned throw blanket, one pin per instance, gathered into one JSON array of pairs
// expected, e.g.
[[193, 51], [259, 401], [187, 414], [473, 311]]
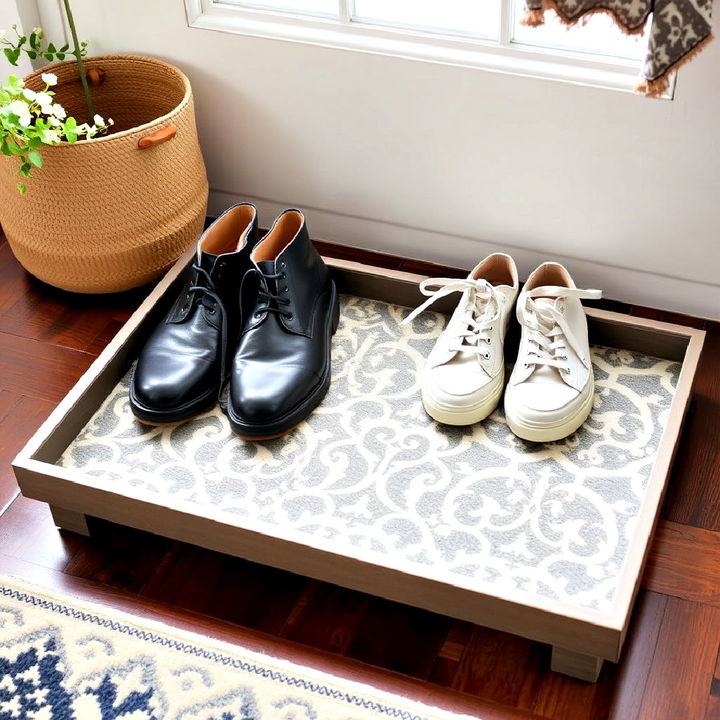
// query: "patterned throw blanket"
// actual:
[[679, 29]]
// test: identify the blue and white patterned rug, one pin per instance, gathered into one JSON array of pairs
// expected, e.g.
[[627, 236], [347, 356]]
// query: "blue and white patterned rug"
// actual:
[[64, 659]]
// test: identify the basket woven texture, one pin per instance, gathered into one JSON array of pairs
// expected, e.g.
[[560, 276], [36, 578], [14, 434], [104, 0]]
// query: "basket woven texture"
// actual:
[[103, 215]]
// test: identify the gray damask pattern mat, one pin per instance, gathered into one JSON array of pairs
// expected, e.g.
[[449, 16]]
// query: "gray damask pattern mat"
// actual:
[[371, 471]]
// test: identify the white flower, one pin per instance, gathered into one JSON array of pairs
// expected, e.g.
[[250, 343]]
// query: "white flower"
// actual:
[[18, 107], [54, 121], [51, 137], [58, 111], [49, 78], [29, 94], [110, 122], [37, 30], [44, 100], [25, 120], [98, 120]]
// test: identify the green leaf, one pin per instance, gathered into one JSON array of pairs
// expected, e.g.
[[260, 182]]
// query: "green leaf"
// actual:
[[22, 188], [34, 142], [25, 169], [33, 39], [32, 54], [64, 48], [4, 149], [52, 48], [61, 56], [11, 55], [48, 56], [35, 158], [22, 40], [14, 148], [70, 123]]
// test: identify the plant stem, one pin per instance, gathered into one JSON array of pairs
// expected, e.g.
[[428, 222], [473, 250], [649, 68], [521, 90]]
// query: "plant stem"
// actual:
[[78, 56]]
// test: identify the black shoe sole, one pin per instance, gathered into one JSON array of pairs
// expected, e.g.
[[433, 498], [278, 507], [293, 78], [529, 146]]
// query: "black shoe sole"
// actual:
[[280, 426], [171, 416]]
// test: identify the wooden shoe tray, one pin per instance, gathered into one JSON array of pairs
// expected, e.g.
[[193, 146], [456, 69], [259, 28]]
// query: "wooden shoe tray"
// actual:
[[546, 541]]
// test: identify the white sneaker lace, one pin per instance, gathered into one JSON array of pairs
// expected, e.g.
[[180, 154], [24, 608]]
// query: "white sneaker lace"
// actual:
[[475, 324], [548, 332]]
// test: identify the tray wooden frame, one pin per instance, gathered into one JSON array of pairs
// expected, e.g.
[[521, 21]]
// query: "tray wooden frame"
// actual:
[[581, 638]]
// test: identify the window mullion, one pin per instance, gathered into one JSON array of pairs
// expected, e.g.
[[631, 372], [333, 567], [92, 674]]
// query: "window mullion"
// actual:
[[506, 22], [345, 10]]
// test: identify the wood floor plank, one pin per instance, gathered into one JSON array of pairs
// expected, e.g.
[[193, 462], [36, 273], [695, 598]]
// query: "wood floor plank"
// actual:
[[681, 319], [611, 305], [358, 255], [326, 617], [563, 698], [644, 312], [504, 668], [14, 281], [106, 334], [40, 370], [683, 666], [225, 587], [448, 659], [54, 322], [19, 422], [32, 309], [623, 685], [7, 401], [27, 532], [712, 712], [432, 269], [399, 637], [693, 496], [684, 561], [121, 557]]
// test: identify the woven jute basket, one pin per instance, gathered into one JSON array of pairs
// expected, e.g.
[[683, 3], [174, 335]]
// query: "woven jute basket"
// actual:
[[114, 212]]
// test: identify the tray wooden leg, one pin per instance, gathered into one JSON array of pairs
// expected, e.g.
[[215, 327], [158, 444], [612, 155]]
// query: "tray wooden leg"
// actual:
[[575, 664], [70, 520]]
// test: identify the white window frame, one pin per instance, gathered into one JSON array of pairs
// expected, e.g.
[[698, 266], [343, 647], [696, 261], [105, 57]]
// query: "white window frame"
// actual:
[[500, 55]]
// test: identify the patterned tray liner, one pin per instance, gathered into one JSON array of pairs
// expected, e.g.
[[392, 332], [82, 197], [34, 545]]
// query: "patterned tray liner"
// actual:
[[369, 469]]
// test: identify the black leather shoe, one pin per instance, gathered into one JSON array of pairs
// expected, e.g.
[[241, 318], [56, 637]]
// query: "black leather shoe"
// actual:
[[281, 369], [185, 362]]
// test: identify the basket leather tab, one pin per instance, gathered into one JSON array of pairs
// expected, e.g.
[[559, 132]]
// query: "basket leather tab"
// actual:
[[158, 137], [96, 76]]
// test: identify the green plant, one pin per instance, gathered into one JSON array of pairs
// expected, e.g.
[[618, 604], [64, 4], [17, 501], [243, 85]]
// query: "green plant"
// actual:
[[30, 119]]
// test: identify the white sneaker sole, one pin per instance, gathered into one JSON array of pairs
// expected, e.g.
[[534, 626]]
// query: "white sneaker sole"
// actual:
[[545, 432], [466, 415]]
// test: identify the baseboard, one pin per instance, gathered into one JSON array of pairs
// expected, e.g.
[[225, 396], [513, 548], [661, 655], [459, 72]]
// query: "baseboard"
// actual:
[[629, 285]]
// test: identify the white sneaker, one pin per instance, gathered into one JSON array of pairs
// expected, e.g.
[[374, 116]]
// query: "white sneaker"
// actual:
[[465, 371], [551, 388]]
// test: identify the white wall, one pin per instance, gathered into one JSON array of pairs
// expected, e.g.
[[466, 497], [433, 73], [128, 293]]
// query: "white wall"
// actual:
[[445, 163], [24, 15]]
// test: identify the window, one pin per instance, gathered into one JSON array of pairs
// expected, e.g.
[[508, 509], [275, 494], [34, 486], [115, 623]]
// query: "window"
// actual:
[[473, 33]]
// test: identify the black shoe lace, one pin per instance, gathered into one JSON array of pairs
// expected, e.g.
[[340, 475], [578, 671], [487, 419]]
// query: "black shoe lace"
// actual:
[[208, 288], [268, 298]]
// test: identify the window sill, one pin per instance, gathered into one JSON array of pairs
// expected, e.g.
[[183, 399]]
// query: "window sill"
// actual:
[[516, 59]]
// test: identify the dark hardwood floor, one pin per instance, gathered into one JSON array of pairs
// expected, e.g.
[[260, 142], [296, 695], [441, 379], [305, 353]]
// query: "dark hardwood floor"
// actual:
[[670, 667]]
